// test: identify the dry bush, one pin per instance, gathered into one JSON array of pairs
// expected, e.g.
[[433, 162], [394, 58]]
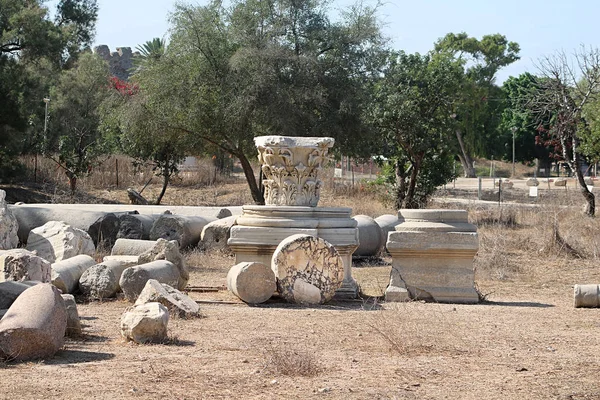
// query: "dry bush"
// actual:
[[290, 361], [208, 268]]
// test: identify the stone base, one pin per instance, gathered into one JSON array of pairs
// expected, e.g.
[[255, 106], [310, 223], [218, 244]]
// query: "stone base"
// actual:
[[349, 290], [395, 294]]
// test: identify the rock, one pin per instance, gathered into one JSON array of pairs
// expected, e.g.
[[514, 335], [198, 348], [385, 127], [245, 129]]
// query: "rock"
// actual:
[[73, 323], [370, 236], [66, 273], [10, 290], [134, 279], [136, 226], [131, 247], [252, 282], [185, 229], [101, 281], [145, 323], [56, 241], [175, 301], [532, 182], [167, 250], [34, 326], [8, 225], [23, 265], [216, 233], [104, 231], [308, 269], [560, 182], [586, 295]]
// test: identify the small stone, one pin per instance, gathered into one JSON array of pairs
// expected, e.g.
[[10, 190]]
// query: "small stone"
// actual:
[[146, 323], [173, 299], [73, 323]]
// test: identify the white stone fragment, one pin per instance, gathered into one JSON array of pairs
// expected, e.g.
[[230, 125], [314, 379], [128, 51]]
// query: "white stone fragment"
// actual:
[[56, 241], [145, 323], [22, 265], [8, 225]]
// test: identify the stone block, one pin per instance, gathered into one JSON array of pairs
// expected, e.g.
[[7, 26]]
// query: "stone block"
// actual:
[[145, 323], [131, 247], [308, 269], [101, 281], [73, 323], [66, 273], [561, 182], [23, 265], [34, 326], [167, 250], [216, 233], [185, 229], [532, 182], [104, 230], [56, 241], [177, 302], [252, 282], [586, 295], [134, 279], [8, 225]]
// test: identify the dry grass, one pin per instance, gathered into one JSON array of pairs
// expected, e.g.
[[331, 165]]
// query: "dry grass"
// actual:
[[289, 360]]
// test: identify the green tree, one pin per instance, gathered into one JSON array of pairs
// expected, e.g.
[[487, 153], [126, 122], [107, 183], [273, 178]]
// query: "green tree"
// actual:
[[263, 67], [412, 113], [74, 134], [479, 108]]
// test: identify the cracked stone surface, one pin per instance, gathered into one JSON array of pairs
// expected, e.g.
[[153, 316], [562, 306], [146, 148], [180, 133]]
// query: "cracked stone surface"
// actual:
[[308, 269]]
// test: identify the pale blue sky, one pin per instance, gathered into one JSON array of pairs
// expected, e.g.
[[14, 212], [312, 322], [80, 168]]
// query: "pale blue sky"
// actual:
[[539, 26]]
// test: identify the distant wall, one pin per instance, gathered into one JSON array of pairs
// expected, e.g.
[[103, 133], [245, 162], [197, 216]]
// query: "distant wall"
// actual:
[[120, 61]]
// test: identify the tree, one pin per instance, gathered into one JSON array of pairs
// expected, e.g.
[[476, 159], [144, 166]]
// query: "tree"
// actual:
[[74, 126], [262, 67], [479, 109], [412, 112], [567, 86]]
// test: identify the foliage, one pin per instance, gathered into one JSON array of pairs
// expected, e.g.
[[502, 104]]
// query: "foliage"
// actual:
[[412, 112], [74, 124]]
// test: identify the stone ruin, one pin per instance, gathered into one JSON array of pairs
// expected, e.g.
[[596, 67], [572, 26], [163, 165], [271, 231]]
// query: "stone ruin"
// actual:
[[120, 62]]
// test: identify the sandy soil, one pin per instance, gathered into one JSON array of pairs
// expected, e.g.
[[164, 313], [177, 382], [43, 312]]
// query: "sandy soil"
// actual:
[[526, 342]]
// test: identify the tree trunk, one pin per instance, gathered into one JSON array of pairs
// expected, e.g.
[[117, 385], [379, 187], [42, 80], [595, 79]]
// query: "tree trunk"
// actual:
[[465, 157], [257, 196], [166, 178], [589, 197], [401, 185], [410, 195], [72, 181]]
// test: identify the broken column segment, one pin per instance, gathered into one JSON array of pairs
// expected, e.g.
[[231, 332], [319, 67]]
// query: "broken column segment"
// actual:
[[183, 228], [56, 241], [23, 265], [101, 281], [66, 273], [432, 253], [134, 279], [252, 282]]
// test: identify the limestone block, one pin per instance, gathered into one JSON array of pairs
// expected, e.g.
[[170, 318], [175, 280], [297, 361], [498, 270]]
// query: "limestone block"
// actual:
[[185, 229], [145, 323], [66, 273], [73, 323], [586, 295], [370, 236], [134, 279], [104, 230], [131, 247], [23, 265], [532, 182], [560, 182], [34, 326], [308, 269], [10, 290], [131, 261], [216, 233], [176, 302], [8, 225], [101, 281], [252, 282], [432, 257], [167, 250], [56, 241]]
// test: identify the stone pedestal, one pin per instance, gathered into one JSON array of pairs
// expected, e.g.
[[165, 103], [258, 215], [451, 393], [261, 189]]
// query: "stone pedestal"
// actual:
[[260, 229], [432, 252]]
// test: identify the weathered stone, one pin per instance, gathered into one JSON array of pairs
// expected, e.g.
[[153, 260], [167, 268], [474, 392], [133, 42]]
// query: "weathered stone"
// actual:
[[215, 234], [10, 290], [73, 323], [370, 236], [308, 269], [66, 273], [34, 326], [185, 229], [145, 323], [23, 265], [432, 256], [56, 241], [252, 282], [8, 225], [167, 250], [131, 247], [136, 226], [560, 182], [120, 62], [586, 295], [104, 230], [532, 182], [177, 302], [134, 279], [101, 281]]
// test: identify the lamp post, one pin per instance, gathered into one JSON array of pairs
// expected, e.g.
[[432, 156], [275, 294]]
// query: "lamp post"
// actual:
[[513, 129]]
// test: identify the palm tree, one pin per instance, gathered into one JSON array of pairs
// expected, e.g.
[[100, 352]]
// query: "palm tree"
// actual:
[[149, 52]]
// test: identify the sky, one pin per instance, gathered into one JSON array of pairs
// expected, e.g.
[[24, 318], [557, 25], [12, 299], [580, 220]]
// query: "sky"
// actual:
[[540, 27]]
